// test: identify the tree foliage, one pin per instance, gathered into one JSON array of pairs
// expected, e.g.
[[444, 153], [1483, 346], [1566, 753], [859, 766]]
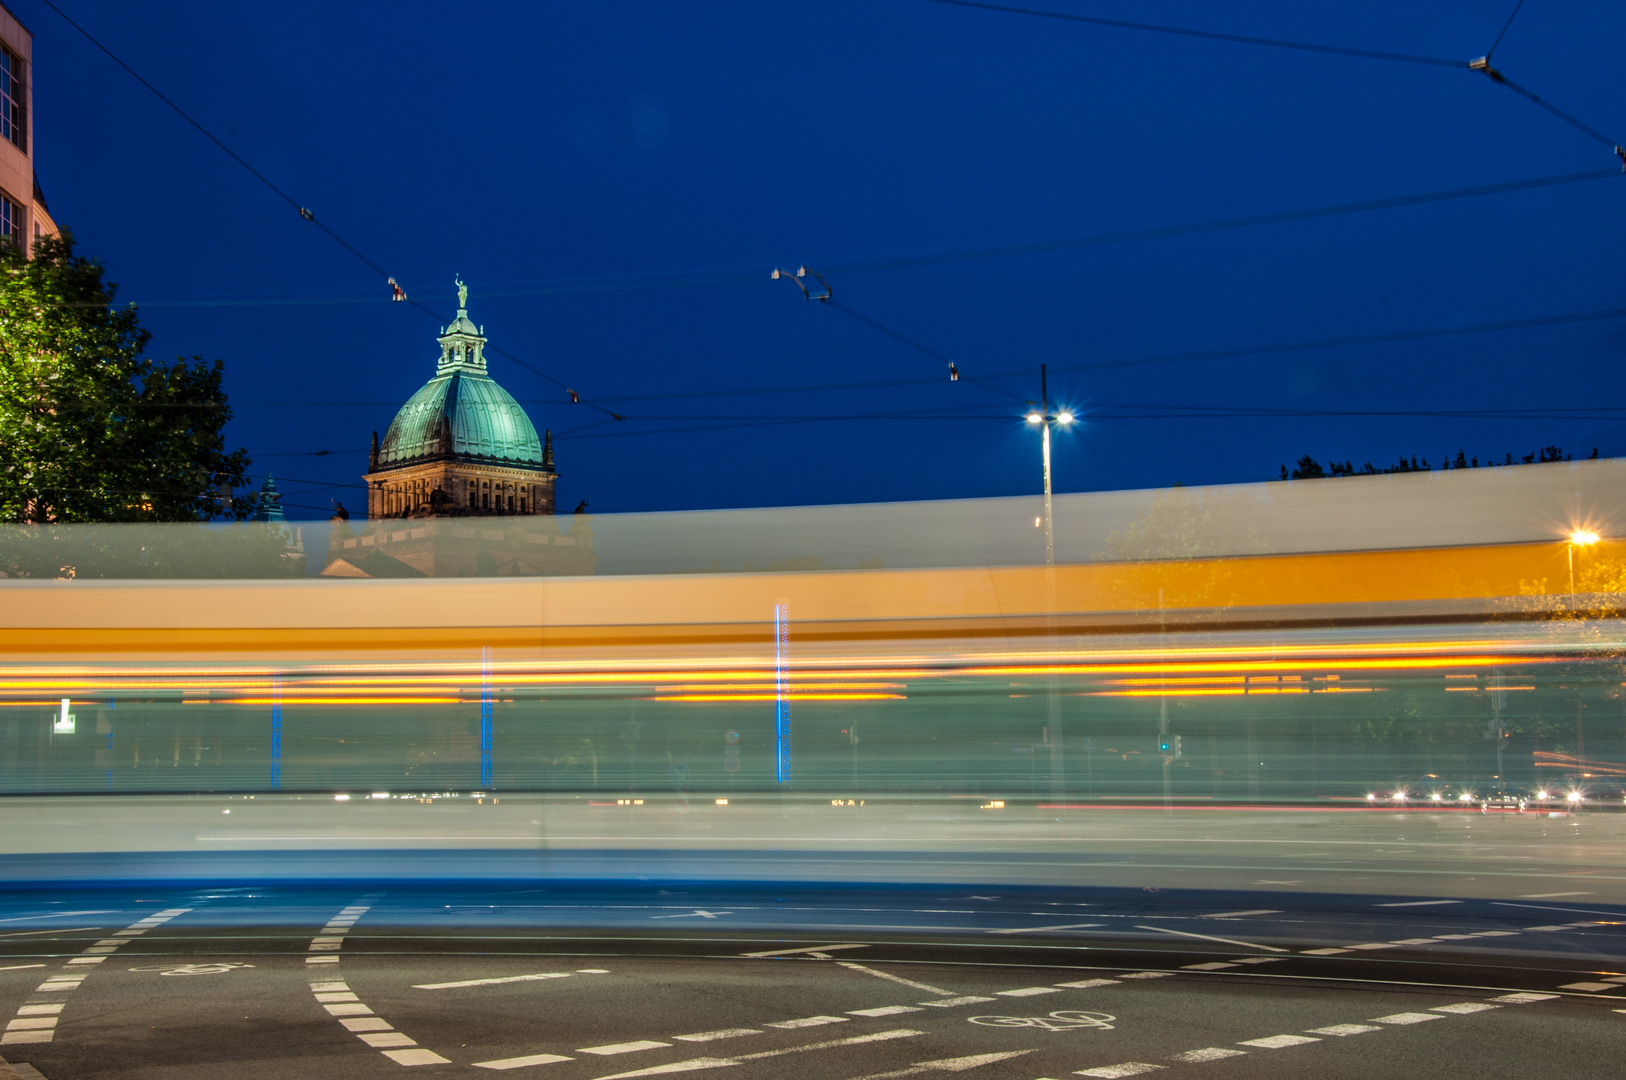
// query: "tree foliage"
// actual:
[[92, 430], [1308, 468]]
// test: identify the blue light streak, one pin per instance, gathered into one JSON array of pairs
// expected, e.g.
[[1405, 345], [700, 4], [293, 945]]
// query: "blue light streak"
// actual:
[[276, 731], [485, 717], [781, 661]]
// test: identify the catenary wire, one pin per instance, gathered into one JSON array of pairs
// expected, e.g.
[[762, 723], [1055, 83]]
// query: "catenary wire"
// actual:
[[1210, 35], [304, 211], [710, 278], [1505, 28]]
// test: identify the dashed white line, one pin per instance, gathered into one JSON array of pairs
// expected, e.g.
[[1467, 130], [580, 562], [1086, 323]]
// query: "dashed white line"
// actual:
[[1419, 903], [730, 1033], [1209, 937], [1043, 929], [1113, 1072], [522, 1062], [807, 1022], [1278, 1042], [1404, 1018], [1240, 914], [893, 978], [623, 1048], [493, 982], [1344, 1030], [1208, 1053]]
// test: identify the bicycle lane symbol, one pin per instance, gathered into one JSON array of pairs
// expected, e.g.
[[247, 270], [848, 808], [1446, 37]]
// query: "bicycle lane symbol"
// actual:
[[195, 969], [1061, 1020]]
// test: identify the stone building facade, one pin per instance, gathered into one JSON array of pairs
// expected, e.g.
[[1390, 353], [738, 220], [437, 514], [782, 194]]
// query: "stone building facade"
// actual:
[[460, 485]]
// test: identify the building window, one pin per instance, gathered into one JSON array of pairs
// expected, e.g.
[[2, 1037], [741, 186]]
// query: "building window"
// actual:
[[11, 221], [472, 497], [13, 99], [485, 501]]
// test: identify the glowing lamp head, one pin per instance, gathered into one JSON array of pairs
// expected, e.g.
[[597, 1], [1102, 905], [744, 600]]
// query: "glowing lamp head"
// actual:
[[1574, 796], [1065, 417], [1583, 537], [1370, 797], [1436, 796], [1541, 794], [1035, 418]]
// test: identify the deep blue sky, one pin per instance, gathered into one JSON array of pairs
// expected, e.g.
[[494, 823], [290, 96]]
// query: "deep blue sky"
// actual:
[[530, 145]]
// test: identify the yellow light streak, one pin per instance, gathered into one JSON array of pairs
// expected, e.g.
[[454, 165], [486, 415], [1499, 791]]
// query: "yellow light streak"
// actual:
[[775, 697]]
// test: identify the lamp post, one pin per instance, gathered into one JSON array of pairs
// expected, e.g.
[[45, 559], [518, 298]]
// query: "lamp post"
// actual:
[[1043, 419], [1578, 538]]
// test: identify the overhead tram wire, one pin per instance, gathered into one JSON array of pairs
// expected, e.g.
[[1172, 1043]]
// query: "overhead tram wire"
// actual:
[[1210, 35], [711, 278], [304, 211], [1482, 64], [881, 384]]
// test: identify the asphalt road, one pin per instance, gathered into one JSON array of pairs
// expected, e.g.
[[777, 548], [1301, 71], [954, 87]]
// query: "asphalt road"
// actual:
[[593, 981]]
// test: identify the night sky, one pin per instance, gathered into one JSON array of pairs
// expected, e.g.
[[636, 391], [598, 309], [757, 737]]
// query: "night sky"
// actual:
[[616, 180]]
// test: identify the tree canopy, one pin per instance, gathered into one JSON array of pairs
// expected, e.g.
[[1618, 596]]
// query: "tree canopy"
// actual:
[[1308, 468], [91, 429]]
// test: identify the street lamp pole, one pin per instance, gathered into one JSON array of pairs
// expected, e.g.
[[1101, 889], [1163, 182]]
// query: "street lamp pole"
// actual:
[[1043, 419]]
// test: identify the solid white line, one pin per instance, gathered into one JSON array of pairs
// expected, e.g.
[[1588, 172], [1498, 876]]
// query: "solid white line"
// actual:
[[1551, 895], [59, 915], [894, 978], [59, 930], [697, 1064], [1240, 914], [1042, 929], [1549, 907], [793, 952], [19, 967], [490, 982], [725, 1033], [1420, 903], [1206, 937]]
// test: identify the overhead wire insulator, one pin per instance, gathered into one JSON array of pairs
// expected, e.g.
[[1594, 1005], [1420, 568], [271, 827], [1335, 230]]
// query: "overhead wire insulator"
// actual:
[[797, 280], [1483, 64]]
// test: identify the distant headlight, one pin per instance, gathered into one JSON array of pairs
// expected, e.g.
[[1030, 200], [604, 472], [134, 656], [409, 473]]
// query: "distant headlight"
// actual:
[[1575, 796]]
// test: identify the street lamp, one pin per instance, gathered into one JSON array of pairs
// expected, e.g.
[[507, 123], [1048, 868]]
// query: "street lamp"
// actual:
[[1043, 419], [1578, 538]]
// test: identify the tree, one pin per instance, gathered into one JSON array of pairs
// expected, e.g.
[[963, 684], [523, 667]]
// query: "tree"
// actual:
[[91, 430]]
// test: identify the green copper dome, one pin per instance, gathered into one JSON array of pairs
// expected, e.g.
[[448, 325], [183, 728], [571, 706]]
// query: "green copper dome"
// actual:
[[461, 412]]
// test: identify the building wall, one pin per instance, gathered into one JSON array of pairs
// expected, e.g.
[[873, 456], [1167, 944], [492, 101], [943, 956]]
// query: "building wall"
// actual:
[[495, 491], [17, 164]]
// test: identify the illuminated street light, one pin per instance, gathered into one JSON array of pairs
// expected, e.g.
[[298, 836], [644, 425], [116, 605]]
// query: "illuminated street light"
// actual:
[[1578, 538], [1043, 419]]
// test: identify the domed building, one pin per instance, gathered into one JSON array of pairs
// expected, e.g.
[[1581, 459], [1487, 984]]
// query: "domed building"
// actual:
[[460, 448]]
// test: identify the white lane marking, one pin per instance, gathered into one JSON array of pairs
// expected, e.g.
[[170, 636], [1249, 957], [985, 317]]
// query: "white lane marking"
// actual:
[[324, 987], [366, 1023], [622, 1048], [58, 930], [1463, 1008], [1043, 929], [1550, 907], [1420, 903], [1342, 1030], [416, 1057], [1087, 984], [1209, 1053], [1551, 895], [1207, 967], [31, 1023], [26, 1037], [1239, 915], [814, 950], [1407, 1018], [1278, 1042], [1140, 975], [1029, 991], [387, 1038], [1590, 987], [336, 995], [949, 1003], [889, 977], [1113, 1072], [20, 967], [40, 1010], [725, 1033], [697, 913], [592, 971], [697, 1064], [522, 1062], [807, 1021], [1206, 937], [1523, 998], [959, 1064], [886, 1010], [493, 982], [1550, 929], [348, 1009], [1371, 945], [1414, 941], [60, 915]]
